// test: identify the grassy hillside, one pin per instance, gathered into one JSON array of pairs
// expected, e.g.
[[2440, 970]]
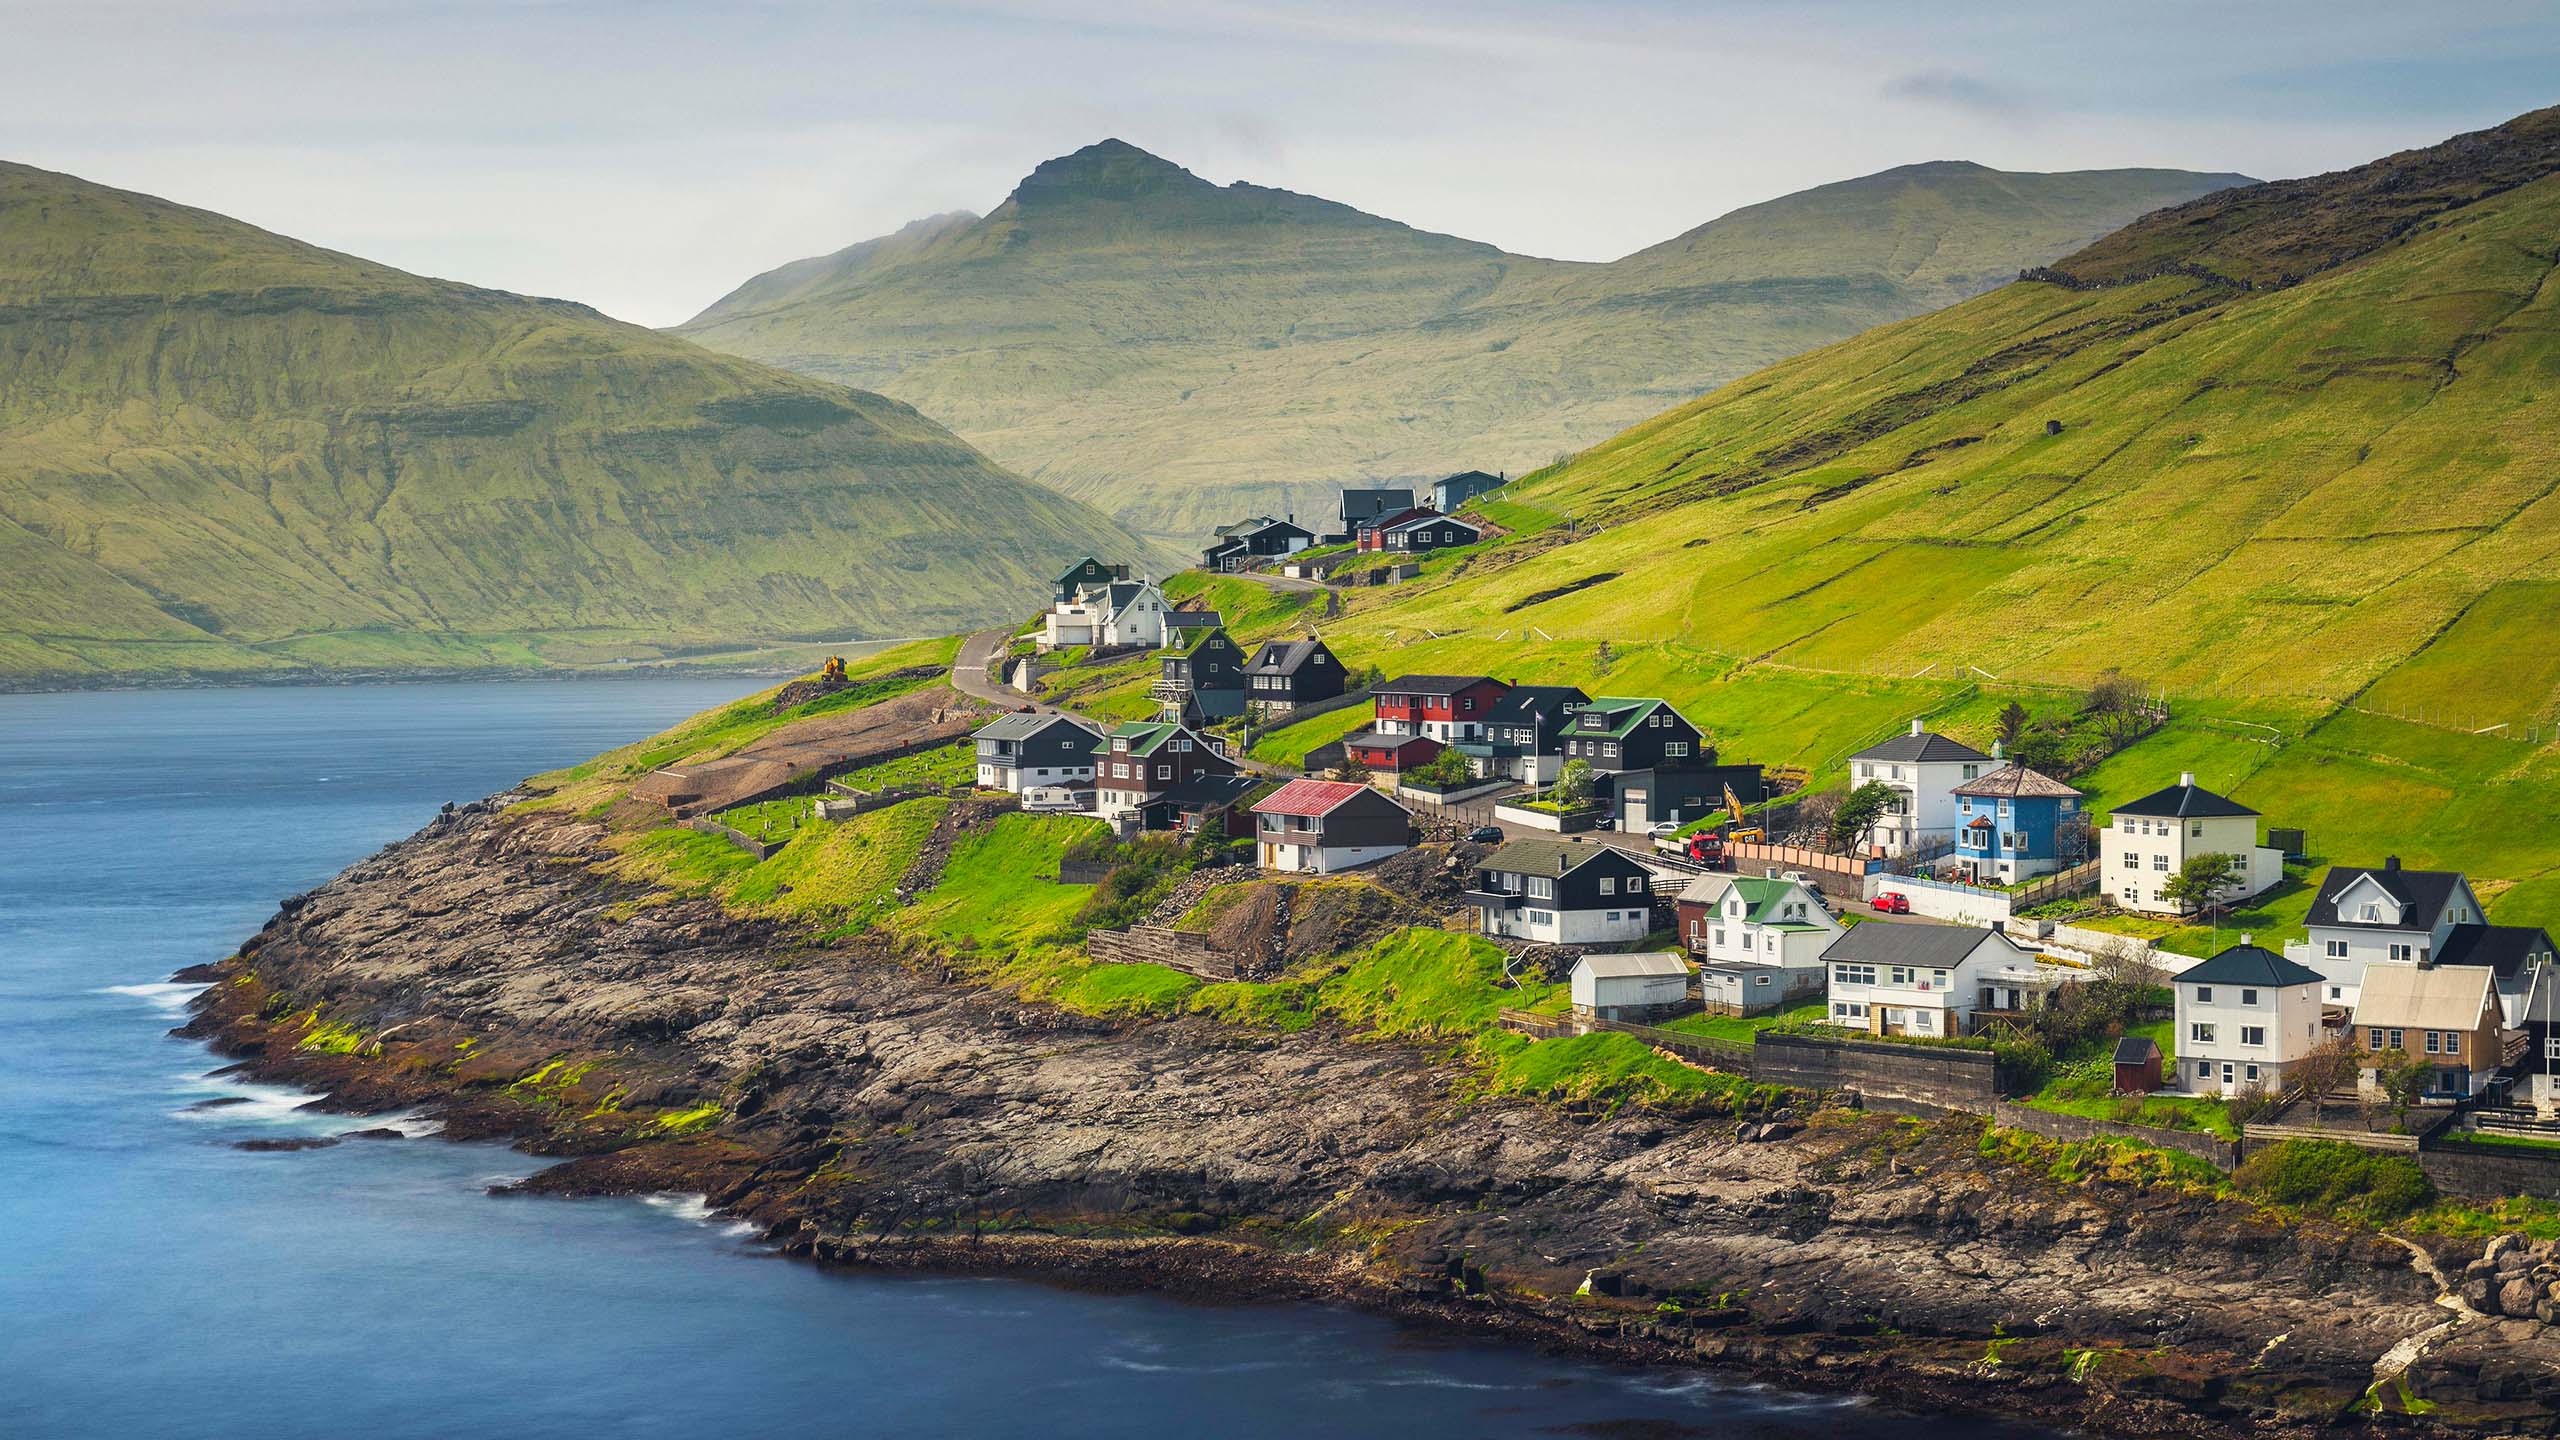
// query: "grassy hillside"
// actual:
[[2323, 517], [228, 453], [1180, 353]]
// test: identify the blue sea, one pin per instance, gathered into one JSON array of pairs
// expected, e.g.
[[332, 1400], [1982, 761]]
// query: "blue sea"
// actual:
[[155, 1281]]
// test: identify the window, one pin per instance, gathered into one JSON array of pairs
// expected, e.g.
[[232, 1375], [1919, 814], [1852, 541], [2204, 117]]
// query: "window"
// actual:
[[2253, 1035], [1759, 979], [1164, 772], [2204, 994], [1182, 745], [1608, 885], [2335, 950], [2248, 997], [2204, 1069], [2252, 1072], [1853, 974], [1848, 1010], [1675, 747], [2373, 1039], [1542, 887], [2200, 1033], [2404, 952], [1746, 940], [2398, 1041], [2431, 1042], [1635, 884], [2132, 861], [1901, 974], [1719, 937], [1542, 917], [2337, 992], [2196, 828], [2371, 913], [2160, 862]]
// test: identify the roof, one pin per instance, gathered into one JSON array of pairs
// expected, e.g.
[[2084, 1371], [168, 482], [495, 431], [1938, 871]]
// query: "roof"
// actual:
[[2184, 801], [2137, 1050], [1144, 736], [2423, 891], [1362, 504], [1622, 967], [1630, 712], [2425, 997], [1283, 657], [2249, 965], [1391, 519], [1381, 740], [1549, 857], [1522, 701], [1469, 477], [1921, 747], [1313, 798], [1192, 619], [2014, 781], [1214, 632], [1024, 725], [1432, 684], [1071, 571], [2506, 949], [1244, 527], [1429, 516], [1207, 792], [1120, 593], [1937, 947]]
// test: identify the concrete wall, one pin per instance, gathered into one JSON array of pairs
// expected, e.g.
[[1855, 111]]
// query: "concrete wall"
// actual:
[[2492, 1174], [2224, 1154], [1926, 1077]]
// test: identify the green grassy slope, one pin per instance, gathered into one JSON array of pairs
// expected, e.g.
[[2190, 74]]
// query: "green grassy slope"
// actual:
[[226, 452], [2323, 517], [1180, 352]]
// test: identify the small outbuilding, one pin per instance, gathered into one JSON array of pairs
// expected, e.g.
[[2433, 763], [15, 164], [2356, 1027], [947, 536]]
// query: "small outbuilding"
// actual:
[[1639, 988], [2137, 1065]]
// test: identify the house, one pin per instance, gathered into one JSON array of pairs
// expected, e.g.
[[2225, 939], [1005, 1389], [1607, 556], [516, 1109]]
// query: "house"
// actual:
[[1184, 626], [1448, 708], [1237, 546], [1768, 919], [2151, 838], [1323, 827], [1383, 755], [1633, 988], [2137, 1065], [1652, 764], [1450, 492], [1286, 674], [1359, 507], [2019, 990], [1922, 769], [1426, 531], [1205, 802], [1141, 760], [2015, 824], [1738, 987], [1204, 679], [2447, 1016], [1524, 734], [1119, 614], [2242, 1017], [1026, 751], [1088, 574], [1371, 534], [1913, 979], [1562, 892], [2392, 915]]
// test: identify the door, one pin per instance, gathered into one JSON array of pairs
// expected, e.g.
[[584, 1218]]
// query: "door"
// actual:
[[1638, 815]]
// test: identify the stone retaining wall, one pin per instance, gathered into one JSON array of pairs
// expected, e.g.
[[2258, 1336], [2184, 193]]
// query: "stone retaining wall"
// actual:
[[2223, 1154], [1934, 1078], [1185, 950], [2491, 1174]]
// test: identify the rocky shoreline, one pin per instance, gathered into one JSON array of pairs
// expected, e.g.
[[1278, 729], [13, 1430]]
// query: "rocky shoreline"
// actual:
[[869, 1106]]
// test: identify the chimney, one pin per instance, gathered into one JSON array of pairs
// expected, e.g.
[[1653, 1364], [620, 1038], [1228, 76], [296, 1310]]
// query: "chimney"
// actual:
[[1995, 749], [1915, 727], [1773, 872], [2187, 779], [2244, 937], [2390, 862]]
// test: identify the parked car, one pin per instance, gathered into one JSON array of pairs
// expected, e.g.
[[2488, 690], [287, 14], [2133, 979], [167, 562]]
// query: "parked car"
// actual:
[[1892, 903], [1485, 835], [1660, 829]]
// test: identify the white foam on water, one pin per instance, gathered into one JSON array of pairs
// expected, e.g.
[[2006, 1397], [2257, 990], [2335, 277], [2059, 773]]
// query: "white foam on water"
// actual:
[[696, 1208], [168, 997], [259, 1102]]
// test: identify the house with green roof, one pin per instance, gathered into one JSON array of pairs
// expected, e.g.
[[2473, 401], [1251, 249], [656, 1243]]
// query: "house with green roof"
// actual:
[[1137, 763], [1654, 766], [1759, 939]]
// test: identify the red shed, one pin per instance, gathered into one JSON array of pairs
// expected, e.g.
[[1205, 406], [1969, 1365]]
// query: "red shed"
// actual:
[[2137, 1065]]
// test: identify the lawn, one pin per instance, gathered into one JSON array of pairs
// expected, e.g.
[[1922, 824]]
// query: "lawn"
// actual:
[[1740, 1029], [1000, 891], [936, 769], [1289, 744], [770, 819]]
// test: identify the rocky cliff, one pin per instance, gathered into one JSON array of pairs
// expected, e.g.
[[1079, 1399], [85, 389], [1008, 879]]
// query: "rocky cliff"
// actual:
[[871, 1107]]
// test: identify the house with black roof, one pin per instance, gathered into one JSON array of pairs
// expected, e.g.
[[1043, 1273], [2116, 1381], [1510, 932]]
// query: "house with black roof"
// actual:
[[1922, 770], [1422, 533], [1450, 492], [1285, 674], [1562, 892], [1360, 507], [1087, 574], [1027, 750], [1915, 979], [2243, 1017], [1237, 546], [1447, 708], [1204, 680], [2148, 840], [1208, 801], [1524, 734]]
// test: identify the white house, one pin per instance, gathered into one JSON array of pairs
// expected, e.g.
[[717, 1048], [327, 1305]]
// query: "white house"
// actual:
[[1891, 979], [1629, 987], [1323, 827], [1562, 892], [2151, 838], [2242, 1017], [1751, 919], [1922, 770], [1110, 615], [1029, 750]]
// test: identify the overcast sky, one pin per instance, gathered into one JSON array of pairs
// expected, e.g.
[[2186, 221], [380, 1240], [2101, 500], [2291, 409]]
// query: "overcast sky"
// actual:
[[645, 158]]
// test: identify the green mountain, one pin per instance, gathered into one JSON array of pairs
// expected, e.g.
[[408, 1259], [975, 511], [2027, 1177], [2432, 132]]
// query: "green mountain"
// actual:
[[228, 453], [2306, 482], [1180, 352]]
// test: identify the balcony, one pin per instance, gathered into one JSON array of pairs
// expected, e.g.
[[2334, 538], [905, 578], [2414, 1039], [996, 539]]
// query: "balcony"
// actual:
[[1498, 900]]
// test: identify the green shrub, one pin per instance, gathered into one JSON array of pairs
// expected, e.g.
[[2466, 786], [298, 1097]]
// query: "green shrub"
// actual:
[[2328, 1178]]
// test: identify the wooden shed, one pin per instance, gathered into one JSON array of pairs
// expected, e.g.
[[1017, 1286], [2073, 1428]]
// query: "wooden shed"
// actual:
[[2137, 1065]]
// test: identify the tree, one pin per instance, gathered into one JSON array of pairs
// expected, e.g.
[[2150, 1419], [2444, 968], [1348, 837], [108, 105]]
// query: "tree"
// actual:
[[1573, 784], [2013, 723], [1447, 770], [1858, 814], [2128, 964], [2116, 702], [2199, 880], [1604, 658], [2402, 1079], [2330, 1065]]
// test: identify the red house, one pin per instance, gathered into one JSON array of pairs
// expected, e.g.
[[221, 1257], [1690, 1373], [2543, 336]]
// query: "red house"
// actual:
[[1447, 708], [1389, 754], [1372, 533]]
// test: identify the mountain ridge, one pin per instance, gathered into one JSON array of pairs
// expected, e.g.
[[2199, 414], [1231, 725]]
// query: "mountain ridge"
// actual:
[[1179, 351]]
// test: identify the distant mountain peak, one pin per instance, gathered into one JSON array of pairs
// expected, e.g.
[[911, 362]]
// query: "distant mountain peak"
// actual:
[[1108, 170]]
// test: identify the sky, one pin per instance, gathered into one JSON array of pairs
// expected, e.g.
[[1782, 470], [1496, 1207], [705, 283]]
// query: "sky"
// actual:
[[647, 157]]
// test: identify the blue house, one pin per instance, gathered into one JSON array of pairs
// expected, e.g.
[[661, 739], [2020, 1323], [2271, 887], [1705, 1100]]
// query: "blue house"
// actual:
[[1447, 495], [2013, 824]]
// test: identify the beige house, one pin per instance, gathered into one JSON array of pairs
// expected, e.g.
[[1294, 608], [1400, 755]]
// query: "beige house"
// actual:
[[2149, 840]]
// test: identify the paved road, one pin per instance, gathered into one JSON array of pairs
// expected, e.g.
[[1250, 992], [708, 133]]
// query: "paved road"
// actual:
[[1278, 582], [975, 673]]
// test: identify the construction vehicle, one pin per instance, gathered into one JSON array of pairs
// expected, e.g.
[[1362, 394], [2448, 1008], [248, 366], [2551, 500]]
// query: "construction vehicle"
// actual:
[[833, 672]]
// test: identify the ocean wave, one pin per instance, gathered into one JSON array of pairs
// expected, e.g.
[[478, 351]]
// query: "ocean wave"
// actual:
[[167, 997]]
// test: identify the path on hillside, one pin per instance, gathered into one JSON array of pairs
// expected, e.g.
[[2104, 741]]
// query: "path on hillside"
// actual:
[[1278, 582]]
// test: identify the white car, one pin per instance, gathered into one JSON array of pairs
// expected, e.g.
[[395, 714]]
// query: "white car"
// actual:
[[1664, 829]]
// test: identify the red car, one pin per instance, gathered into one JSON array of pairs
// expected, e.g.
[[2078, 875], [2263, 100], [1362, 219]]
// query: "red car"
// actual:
[[1892, 903]]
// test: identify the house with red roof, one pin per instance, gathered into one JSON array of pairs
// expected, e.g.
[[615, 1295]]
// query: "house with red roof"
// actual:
[[1323, 827]]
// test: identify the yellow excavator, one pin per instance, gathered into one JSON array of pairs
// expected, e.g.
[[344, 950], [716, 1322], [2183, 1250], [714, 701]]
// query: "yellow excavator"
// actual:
[[833, 673], [1747, 834]]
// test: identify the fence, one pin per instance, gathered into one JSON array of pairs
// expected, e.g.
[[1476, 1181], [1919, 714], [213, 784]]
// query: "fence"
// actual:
[[2222, 1154], [1083, 872], [1188, 951], [761, 849]]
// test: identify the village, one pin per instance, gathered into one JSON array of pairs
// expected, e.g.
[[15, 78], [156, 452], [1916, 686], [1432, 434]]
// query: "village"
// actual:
[[1944, 934]]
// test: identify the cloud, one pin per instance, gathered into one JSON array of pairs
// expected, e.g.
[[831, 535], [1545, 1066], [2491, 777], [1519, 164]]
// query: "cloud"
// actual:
[[1965, 94]]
